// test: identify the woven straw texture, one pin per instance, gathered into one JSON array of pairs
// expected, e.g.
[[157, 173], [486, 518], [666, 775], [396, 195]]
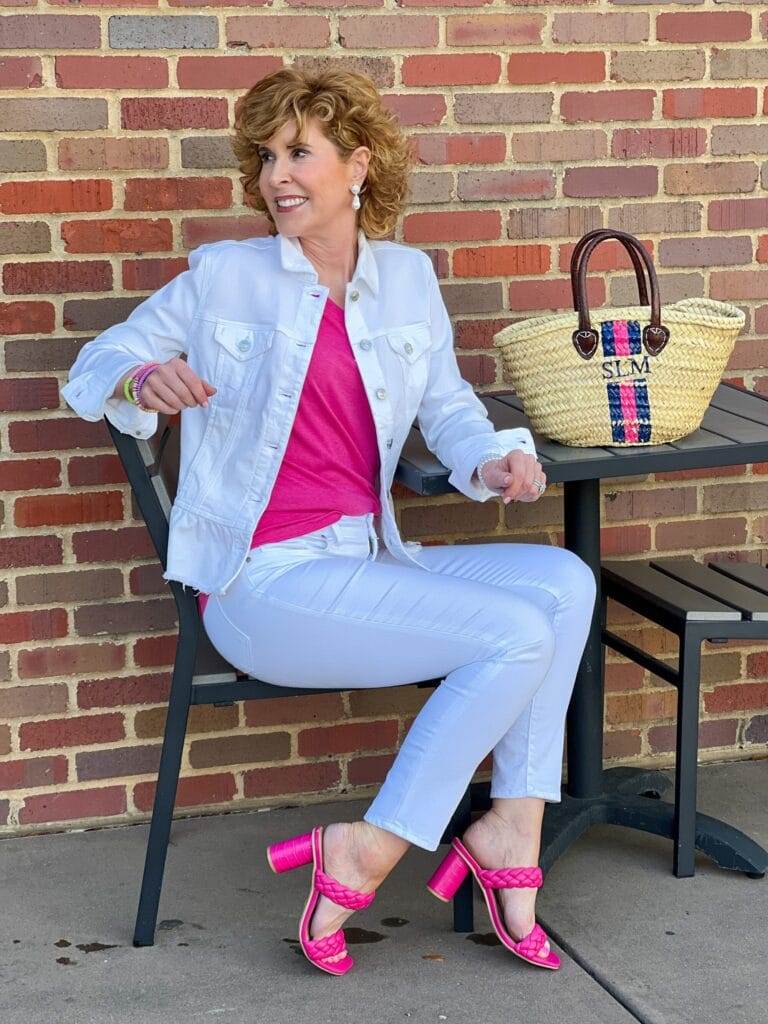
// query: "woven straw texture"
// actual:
[[622, 395]]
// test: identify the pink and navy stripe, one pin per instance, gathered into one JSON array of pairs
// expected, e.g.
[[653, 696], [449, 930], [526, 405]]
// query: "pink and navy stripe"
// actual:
[[628, 403]]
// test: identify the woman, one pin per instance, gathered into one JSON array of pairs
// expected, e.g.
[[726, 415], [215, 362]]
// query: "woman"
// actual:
[[308, 355]]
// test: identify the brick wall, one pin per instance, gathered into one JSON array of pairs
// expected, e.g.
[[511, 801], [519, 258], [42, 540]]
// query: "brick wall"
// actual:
[[533, 123]]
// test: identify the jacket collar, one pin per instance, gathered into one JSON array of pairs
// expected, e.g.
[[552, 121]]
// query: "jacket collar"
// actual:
[[292, 258]]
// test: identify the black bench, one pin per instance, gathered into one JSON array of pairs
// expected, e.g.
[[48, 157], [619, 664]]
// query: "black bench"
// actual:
[[717, 602], [202, 676]]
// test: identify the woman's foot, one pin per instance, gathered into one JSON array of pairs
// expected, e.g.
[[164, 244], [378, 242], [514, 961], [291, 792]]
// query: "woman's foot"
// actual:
[[495, 842], [359, 856]]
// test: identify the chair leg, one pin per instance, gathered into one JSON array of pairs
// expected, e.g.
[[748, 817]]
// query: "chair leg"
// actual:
[[686, 764], [463, 909], [165, 798]]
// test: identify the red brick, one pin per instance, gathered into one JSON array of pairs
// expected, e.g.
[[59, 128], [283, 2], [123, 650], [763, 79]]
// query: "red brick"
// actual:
[[365, 771], [737, 214], [119, 691], [109, 801], [347, 738], [29, 474], [554, 293], [705, 252], [21, 394], [197, 230], [607, 105], [315, 777], [738, 697], [621, 743], [56, 277], [49, 32], [27, 317], [112, 545], [275, 31], [417, 108], [737, 285], [28, 701], [31, 772], [559, 146], [55, 434], [66, 509], [48, 661], [224, 72], [704, 26], [194, 791], [503, 185], [469, 148], [79, 195], [103, 154], [155, 651], [71, 732], [610, 255], [21, 73], [87, 72], [95, 469], [490, 29], [451, 69], [321, 707], [695, 103], [501, 260], [541, 68], [717, 732], [177, 194], [588, 28], [117, 235], [638, 143], [149, 275], [389, 31], [694, 179], [690, 535], [20, 552], [607, 182], [168, 113], [452, 226], [46, 624]]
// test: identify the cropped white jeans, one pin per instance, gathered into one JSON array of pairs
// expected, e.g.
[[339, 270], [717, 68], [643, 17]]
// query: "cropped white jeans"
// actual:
[[503, 625]]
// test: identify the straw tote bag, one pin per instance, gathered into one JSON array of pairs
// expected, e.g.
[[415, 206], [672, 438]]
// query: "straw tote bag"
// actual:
[[627, 375]]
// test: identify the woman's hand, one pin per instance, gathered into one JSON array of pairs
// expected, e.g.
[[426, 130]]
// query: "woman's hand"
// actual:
[[517, 475], [171, 387]]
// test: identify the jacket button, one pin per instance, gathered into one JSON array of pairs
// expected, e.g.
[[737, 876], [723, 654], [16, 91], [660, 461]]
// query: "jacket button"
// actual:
[[244, 344], [389, 442], [366, 344], [408, 347], [381, 392], [354, 296]]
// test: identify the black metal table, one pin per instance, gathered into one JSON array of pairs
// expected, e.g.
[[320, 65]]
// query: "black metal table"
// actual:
[[734, 431]]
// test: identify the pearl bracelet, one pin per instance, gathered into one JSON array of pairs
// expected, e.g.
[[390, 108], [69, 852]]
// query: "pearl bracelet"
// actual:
[[488, 458]]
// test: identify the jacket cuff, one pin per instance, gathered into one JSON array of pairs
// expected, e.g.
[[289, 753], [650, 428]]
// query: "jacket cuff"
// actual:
[[495, 444], [92, 399]]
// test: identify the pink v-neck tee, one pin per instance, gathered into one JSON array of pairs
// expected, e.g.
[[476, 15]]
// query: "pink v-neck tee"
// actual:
[[332, 459]]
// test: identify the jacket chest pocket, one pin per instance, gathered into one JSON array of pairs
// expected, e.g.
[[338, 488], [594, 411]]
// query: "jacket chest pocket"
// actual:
[[410, 345], [240, 350]]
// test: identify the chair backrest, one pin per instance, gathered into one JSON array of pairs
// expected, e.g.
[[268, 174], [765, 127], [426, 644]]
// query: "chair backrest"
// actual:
[[152, 467]]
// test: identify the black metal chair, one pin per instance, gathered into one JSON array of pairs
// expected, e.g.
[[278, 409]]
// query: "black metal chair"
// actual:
[[202, 676], [716, 602]]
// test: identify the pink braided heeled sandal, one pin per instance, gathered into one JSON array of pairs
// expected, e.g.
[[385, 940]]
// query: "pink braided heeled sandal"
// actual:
[[455, 868], [294, 853]]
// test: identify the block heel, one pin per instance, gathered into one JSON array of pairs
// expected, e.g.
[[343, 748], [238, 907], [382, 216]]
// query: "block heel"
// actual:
[[450, 874], [290, 853]]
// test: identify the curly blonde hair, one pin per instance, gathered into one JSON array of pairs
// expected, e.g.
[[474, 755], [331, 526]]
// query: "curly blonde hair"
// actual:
[[351, 114]]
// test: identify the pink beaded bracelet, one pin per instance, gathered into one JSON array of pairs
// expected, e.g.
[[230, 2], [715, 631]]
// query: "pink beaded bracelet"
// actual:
[[137, 381]]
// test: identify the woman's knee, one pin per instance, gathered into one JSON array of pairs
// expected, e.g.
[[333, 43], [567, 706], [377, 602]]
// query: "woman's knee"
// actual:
[[576, 580], [532, 636]]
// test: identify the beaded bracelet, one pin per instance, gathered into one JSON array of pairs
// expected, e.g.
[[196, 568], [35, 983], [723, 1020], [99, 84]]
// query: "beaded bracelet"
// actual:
[[488, 458], [133, 385]]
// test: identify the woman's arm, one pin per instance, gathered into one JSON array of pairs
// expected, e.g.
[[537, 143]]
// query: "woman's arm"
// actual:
[[155, 331], [451, 417]]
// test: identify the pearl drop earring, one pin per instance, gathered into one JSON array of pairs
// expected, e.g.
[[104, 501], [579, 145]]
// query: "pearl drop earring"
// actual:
[[355, 189]]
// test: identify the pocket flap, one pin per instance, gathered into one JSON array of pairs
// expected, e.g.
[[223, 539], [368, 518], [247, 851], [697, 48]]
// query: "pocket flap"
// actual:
[[242, 341], [411, 341]]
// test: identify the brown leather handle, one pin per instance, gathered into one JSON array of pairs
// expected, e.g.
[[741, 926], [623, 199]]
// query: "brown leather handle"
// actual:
[[585, 338], [636, 262]]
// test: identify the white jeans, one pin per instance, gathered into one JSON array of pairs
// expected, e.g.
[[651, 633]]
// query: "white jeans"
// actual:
[[502, 624]]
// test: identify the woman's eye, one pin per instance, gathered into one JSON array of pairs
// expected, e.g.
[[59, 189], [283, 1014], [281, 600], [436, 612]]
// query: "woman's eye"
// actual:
[[265, 156]]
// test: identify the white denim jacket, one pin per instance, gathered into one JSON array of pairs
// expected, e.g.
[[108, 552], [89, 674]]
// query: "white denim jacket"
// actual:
[[246, 314]]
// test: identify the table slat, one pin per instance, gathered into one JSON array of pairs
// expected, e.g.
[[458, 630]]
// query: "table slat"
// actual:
[[672, 597]]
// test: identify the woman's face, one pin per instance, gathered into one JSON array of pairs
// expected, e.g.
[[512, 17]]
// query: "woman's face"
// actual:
[[311, 171]]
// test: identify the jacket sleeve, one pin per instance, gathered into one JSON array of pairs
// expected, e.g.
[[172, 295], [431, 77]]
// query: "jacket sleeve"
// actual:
[[155, 331], [451, 417]]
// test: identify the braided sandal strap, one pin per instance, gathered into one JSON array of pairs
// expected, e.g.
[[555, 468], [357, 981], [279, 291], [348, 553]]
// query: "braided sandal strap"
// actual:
[[327, 946], [338, 893], [512, 878], [532, 943]]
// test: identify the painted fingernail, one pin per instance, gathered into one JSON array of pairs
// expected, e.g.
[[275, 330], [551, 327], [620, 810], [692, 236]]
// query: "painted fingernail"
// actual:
[[507, 501], [507, 480]]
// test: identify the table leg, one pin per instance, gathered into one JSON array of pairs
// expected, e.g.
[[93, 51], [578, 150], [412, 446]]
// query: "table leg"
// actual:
[[581, 513]]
